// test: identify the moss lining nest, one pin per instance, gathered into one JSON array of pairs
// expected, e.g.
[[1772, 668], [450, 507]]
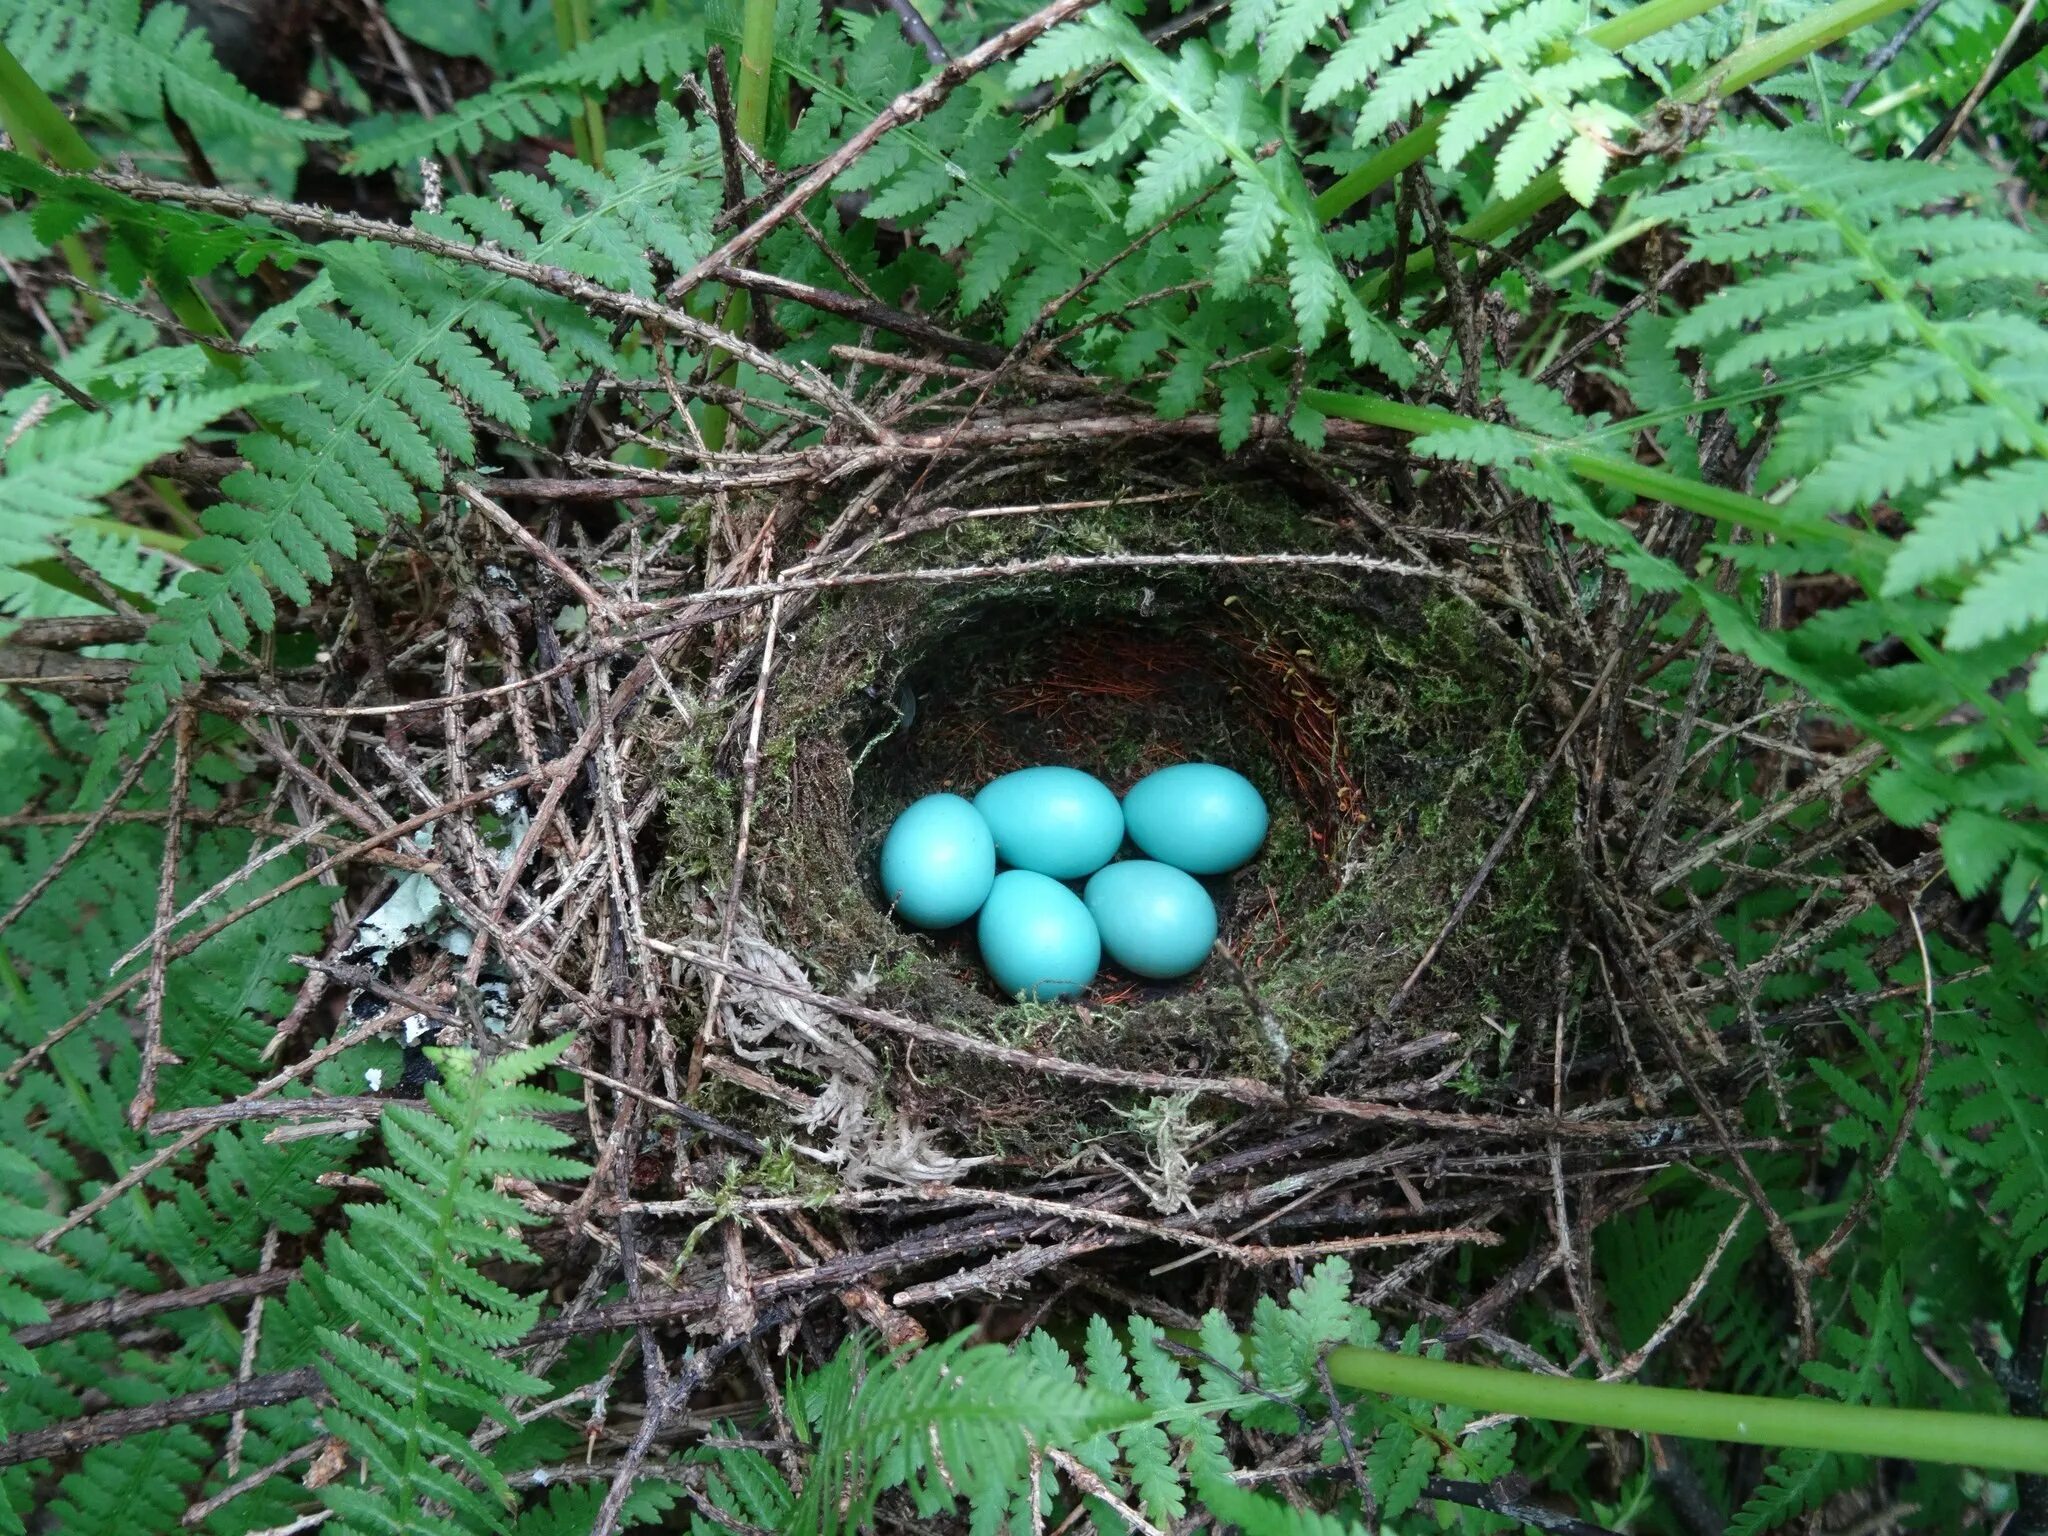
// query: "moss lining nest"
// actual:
[[1382, 727]]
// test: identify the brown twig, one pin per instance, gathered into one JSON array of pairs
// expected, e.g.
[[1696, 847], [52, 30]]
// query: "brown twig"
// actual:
[[125, 1311], [154, 1054]]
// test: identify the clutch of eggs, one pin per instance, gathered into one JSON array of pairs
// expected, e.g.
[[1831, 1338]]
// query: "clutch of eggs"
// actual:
[[1041, 940]]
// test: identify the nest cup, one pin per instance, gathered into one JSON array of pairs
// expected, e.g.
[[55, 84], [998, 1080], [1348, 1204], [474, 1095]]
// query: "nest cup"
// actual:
[[1380, 727]]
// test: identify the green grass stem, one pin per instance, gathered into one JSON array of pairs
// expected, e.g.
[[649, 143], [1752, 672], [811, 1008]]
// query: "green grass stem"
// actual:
[[1904, 1434], [750, 111]]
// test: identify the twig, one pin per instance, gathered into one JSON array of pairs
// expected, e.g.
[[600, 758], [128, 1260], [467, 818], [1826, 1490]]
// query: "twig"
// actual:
[[750, 773], [1509, 1496], [1257, 1253], [1086, 1480], [1537, 787], [863, 311], [1241, 1090], [1636, 1358], [99, 818], [918, 30], [1818, 1261], [154, 1055], [2004, 59], [221, 924], [1880, 59], [593, 601], [76, 1435], [595, 296], [126, 1311], [199, 1512]]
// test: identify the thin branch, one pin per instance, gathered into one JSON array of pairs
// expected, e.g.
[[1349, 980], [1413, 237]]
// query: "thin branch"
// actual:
[[126, 1311], [1818, 1261]]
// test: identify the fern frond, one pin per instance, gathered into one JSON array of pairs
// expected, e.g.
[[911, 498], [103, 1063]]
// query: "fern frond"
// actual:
[[371, 395], [1528, 70], [62, 468], [130, 64], [944, 1422], [643, 49], [411, 1320]]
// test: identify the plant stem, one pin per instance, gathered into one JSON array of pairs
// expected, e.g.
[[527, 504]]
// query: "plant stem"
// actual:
[[33, 120], [1905, 1434], [1647, 481], [750, 114], [586, 128], [593, 109]]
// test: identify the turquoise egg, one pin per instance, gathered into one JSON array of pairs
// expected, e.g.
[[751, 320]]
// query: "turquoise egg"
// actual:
[[1037, 939], [1056, 821], [1154, 919], [938, 862], [1196, 816]]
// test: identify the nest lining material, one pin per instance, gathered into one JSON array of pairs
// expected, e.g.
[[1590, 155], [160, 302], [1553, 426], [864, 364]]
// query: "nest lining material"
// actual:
[[1380, 725]]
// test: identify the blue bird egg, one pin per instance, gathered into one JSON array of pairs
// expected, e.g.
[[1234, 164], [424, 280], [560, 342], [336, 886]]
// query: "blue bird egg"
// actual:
[[1155, 920], [1037, 938], [938, 862], [1197, 817], [1053, 821]]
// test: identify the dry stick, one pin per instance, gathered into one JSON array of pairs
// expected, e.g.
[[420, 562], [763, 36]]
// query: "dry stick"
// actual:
[[86, 833], [190, 1139], [683, 1112], [1818, 1261], [1820, 784], [252, 1334], [75, 1435], [1994, 71], [918, 30], [125, 1311], [1255, 1253], [199, 1512], [1635, 1360], [906, 108], [1241, 1090], [505, 523], [193, 940], [750, 777], [1051, 565], [1617, 320], [290, 839], [1096, 1488], [863, 311]]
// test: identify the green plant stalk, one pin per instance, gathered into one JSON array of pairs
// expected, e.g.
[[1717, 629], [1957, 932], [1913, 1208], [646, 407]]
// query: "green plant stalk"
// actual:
[[1905, 1434], [32, 119], [1616, 32], [1755, 61], [750, 113], [565, 43], [593, 109], [1644, 480]]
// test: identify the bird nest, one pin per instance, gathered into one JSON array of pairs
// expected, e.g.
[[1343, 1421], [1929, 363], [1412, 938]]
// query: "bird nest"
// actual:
[[1384, 725], [1475, 971]]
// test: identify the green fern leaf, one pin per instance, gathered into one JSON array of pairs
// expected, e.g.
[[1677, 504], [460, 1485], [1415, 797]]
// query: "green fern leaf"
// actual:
[[2010, 597], [60, 470]]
